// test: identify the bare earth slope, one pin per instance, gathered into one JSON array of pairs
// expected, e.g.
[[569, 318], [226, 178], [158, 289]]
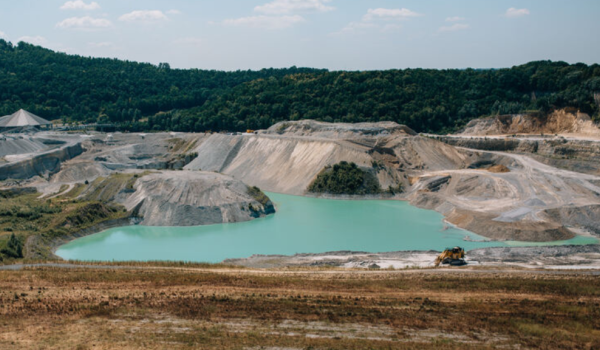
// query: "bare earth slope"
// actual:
[[558, 122], [190, 198], [287, 157], [511, 205]]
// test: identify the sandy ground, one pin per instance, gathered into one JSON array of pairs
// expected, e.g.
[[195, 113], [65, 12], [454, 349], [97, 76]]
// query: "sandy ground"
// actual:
[[548, 258]]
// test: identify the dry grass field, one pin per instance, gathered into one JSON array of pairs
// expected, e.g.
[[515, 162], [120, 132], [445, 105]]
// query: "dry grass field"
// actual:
[[167, 307]]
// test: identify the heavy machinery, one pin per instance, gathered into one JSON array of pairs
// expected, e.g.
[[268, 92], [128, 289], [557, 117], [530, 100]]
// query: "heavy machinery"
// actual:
[[451, 256]]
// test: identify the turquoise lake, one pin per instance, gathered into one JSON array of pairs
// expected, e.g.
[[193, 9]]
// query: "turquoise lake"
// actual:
[[301, 225]]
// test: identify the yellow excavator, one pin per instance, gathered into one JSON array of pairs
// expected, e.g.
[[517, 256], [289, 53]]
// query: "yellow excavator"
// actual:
[[451, 256]]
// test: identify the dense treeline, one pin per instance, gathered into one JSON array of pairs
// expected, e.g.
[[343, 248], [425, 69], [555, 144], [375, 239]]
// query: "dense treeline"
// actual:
[[56, 85], [146, 97]]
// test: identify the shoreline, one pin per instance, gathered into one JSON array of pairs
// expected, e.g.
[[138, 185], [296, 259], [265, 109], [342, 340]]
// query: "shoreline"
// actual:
[[550, 258], [126, 222]]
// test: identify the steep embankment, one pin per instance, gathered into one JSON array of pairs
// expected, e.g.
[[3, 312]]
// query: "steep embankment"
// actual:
[[557, 122], [576, 155], [42, 164], [118, 152], [561, 139], [287, 157]]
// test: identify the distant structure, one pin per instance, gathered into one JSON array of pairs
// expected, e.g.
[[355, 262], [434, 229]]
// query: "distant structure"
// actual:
[[22, 120]]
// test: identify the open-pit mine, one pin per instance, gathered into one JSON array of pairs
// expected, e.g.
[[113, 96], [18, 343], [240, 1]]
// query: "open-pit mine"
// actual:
[[495, 190]]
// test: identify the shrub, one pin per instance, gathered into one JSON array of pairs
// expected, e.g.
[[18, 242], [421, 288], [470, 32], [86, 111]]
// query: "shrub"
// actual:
[[258, 195], [399, 188]]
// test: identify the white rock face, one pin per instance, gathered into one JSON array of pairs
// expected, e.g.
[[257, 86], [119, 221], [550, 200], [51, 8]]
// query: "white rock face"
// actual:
[[190, 198]]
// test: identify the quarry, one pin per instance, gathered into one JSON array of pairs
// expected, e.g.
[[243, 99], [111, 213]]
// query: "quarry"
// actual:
[[502, 178]]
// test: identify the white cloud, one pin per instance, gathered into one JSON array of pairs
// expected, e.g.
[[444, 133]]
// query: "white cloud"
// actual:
[[173, 12], [189, 41], [455, 19], [80, 5], [35, 40], [84, 23], [284, 7], [454, 27], [389, 14], [513, 12], [2, 34], [265, 22], [144, 16]]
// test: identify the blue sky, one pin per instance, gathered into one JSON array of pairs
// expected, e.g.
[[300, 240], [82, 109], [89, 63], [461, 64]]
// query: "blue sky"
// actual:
[[334, 34]]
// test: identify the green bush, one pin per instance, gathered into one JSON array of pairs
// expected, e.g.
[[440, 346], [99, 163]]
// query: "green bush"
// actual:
[[399, 188], [258, 195], [345, 178]]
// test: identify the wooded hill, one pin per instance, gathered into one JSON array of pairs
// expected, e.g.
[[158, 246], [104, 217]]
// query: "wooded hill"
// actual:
[[145, 97]]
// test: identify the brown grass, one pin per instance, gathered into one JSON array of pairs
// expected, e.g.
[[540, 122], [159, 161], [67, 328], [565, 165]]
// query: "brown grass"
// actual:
[[228, 308]]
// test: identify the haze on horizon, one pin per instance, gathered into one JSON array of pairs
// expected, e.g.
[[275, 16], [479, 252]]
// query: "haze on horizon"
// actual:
[[333, 34]]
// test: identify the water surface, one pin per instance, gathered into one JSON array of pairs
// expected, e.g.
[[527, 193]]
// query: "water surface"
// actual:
[[301, 225]]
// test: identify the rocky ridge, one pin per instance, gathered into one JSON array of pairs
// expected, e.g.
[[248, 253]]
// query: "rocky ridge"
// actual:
[[558, 122]]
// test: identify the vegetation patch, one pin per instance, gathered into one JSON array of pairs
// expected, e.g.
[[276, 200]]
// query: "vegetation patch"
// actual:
[[345, 178], [74, 192], [105, 189], [399, 188], [12, 248], [258, 195], [23, 215]]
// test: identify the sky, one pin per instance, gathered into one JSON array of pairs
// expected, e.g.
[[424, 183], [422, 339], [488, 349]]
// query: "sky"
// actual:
[[332, 34]]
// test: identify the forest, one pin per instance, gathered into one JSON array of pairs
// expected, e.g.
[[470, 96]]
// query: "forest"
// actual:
[[146, 97]]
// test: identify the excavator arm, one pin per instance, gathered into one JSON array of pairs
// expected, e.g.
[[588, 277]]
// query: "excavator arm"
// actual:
[[441, 258]]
